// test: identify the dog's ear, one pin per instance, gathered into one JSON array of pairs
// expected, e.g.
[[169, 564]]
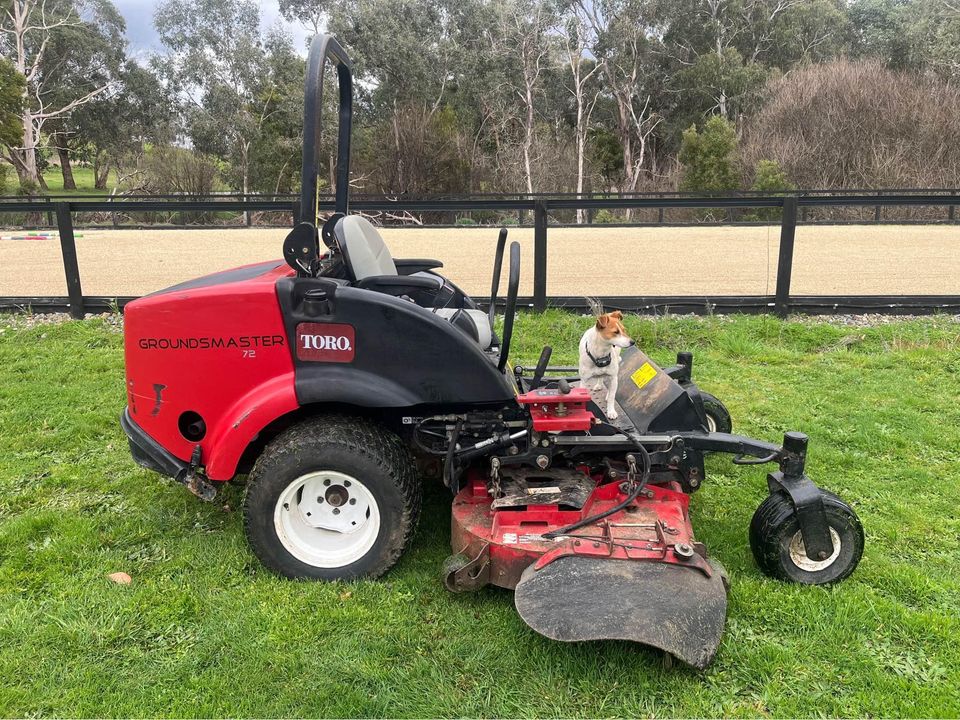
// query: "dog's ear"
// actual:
[[602, 321], [617, 314]]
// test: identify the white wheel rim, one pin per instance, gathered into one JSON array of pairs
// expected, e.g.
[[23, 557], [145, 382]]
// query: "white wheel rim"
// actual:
[[711, 423], [798, 553], [327, 519]]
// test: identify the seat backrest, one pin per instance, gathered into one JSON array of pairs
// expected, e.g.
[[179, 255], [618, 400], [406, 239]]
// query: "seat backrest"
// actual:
[[364, 252]]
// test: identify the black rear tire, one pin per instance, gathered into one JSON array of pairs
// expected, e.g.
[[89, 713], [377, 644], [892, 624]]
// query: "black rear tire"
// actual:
[[348, 447], [717, 413], [778, 548]]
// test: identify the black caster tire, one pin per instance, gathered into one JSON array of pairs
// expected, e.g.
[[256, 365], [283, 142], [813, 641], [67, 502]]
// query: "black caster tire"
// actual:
[[718, 417], [332, 498], [778, 547]]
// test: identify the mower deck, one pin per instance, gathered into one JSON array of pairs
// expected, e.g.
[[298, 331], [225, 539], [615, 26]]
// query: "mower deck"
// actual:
[[644, 557]]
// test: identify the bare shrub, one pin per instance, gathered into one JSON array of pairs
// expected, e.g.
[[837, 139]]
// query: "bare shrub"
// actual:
[[417, 152], [169, 170], [847, 124], [176, 171]]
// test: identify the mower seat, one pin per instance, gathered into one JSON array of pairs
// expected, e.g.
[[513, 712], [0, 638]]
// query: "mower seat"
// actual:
[[364, 252], [370, 265]]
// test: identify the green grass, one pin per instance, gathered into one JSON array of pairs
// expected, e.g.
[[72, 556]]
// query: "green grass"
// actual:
[[204, 630], [82, 176]]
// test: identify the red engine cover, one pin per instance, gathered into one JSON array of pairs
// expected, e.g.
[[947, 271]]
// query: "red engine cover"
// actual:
[[217, 347]]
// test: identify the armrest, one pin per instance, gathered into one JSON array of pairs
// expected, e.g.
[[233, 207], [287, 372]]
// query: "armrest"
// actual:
[[410, 266], [398, 284]]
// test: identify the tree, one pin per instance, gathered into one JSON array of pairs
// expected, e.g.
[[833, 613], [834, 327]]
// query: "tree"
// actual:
[[113, 133], [221, 66], [311, 13], [90, 53], [769, 177], [11, 103], [411, 60], [723, 83], [624, 40], [881, 29], [709, 157], [276, 151], [811, 31], [28, 27], [574, 31], [523, 40], [933, 29]]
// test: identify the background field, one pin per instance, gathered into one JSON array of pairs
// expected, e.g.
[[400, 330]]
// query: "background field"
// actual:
[[82, 176], [829, 260], [205, 631]]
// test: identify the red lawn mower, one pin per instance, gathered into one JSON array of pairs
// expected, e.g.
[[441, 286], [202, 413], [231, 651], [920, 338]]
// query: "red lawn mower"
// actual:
[[339, 379]]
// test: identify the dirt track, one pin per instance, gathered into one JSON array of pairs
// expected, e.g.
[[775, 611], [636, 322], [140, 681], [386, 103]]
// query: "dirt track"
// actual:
[[861, 260]]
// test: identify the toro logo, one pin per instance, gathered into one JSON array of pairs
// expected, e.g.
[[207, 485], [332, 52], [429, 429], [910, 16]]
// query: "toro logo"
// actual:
[[325, 342]]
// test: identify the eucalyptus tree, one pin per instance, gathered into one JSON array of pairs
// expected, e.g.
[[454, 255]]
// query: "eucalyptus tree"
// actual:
[[626, 38], [224, 71], [574, 32], [114, 133], [11, 103], [524, 42], [89, 54], [30, 30]]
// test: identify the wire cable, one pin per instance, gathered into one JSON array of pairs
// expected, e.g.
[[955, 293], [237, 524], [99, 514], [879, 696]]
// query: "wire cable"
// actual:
[[634, 494]]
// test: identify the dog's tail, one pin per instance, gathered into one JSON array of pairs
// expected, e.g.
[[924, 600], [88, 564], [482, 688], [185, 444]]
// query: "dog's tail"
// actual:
[[596, 307]]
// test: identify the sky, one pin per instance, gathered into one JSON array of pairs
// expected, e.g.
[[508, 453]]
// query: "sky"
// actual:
[[143, 37]]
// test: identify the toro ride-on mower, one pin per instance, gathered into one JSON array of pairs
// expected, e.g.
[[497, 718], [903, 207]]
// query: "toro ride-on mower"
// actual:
[[336, 379]]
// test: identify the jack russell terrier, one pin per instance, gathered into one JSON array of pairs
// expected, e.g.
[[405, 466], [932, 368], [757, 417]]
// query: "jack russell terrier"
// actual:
[[600, 359]]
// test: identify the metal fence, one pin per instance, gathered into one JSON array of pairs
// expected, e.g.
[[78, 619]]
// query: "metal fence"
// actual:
[[791, 208]]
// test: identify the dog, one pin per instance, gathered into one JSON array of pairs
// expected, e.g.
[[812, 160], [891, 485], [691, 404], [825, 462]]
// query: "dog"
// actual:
[[600, 359]]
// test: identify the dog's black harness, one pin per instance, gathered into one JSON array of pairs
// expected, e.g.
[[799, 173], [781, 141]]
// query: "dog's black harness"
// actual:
[[600, 361]]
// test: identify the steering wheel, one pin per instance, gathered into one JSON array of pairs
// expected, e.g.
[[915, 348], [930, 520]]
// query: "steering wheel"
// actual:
[[510, 311]]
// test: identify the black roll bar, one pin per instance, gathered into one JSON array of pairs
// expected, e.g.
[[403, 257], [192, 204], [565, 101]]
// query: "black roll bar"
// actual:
[[324, 47]]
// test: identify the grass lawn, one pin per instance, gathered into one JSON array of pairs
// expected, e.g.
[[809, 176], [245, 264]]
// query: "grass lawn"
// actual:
[[203, 630], [82, 176]]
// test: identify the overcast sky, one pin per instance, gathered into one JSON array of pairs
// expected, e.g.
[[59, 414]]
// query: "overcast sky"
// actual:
[[143, 36]]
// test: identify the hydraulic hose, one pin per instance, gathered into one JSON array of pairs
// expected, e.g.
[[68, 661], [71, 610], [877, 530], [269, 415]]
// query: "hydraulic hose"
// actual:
[[639, 485]]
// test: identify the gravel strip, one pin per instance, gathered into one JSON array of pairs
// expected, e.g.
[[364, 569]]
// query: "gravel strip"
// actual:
[[114, 321], [25, 321]]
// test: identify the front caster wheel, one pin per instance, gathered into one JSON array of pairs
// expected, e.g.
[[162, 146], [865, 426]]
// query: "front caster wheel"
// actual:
[[718, 417], [778, 545], [332, 498]]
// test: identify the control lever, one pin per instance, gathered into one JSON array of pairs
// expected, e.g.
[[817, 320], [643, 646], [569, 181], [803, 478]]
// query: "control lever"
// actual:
[[497, 264], [541, 367]]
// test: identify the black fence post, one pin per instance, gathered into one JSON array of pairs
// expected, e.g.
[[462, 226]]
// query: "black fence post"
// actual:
[[788, 232], [295, 210], [68, 250], [540, 255]]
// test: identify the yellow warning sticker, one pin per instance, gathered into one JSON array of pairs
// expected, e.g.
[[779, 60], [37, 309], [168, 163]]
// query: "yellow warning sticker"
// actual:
[[644, 374]]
